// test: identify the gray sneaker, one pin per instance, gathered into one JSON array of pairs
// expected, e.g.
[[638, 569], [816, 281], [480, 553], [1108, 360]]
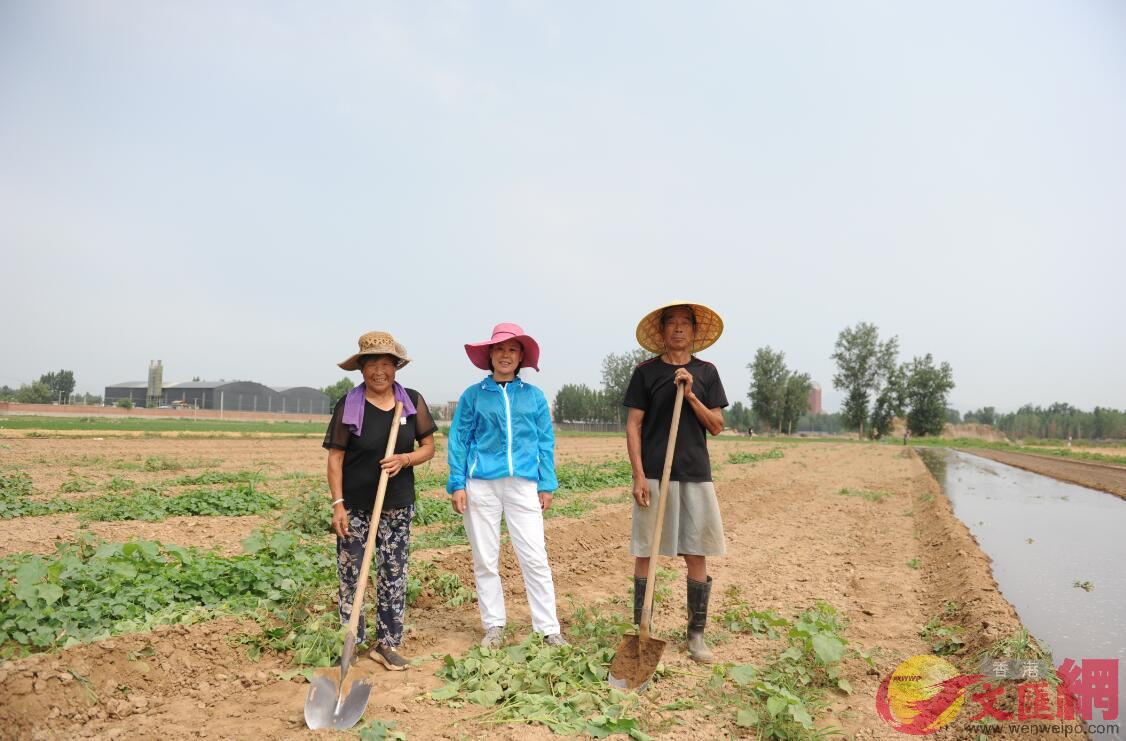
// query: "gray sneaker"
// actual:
[[494, 637], [555, 639]]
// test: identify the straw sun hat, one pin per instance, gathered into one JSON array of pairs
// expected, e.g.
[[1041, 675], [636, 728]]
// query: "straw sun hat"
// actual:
[[709, 326], [377, 343]]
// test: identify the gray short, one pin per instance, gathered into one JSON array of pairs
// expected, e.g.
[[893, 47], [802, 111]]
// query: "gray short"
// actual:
[[692, 524]]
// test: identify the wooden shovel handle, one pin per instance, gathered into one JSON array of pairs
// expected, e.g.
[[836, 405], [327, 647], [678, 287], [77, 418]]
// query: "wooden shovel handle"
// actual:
[[373, 528], [666, 473]]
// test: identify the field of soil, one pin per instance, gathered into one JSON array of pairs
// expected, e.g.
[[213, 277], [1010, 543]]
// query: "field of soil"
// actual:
[[1102, 476], [864, 528]]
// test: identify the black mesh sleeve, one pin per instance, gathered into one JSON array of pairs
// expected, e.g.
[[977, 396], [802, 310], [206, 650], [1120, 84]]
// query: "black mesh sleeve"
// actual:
[[424, 425], [337, 434]]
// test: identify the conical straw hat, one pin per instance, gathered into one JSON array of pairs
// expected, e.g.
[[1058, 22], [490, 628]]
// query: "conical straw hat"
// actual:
[[709, 326]]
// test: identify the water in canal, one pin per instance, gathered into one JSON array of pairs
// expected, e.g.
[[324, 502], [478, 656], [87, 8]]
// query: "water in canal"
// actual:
[[1044, 536]]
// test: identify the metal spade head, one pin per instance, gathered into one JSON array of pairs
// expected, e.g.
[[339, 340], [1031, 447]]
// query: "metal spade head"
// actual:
[[634, 662], [327, 707]]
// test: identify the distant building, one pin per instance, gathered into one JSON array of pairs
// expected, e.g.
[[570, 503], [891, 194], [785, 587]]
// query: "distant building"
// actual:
[[234, 396], [815, 399], [135, 391], [303, 399]]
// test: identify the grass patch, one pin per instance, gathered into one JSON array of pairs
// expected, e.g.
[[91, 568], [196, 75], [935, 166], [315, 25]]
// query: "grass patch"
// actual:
[[745, 456], [865, 494], [140, 424]]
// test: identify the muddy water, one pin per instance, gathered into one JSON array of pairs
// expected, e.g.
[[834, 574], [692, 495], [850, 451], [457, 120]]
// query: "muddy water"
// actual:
[[1044, 536]]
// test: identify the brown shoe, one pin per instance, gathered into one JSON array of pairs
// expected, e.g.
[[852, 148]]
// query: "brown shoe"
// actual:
[[391, 660]]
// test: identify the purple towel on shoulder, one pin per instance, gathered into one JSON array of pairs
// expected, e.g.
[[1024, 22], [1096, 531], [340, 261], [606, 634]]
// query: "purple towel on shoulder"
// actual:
[[353, 417]]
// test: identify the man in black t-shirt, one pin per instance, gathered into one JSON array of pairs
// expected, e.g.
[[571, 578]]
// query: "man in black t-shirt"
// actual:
[[692, 527]]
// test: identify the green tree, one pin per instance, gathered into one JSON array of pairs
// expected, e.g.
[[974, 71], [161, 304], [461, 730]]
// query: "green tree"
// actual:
[[61, 384], [580, 403], [890, 402], [7, 393], [338, 390], [738, 417], [927, 388], [864, 365], [795, 400], [768, 386], [36, 392], [125, 403], [616, 372]]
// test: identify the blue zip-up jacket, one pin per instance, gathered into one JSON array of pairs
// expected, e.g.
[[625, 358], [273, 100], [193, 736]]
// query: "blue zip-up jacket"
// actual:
[[502, 431]]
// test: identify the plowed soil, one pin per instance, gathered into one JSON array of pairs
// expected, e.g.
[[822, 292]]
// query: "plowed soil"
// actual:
[[793, 539]]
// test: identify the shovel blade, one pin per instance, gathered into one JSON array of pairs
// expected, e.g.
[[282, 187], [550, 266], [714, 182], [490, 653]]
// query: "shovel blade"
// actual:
[[326, 708], [634, 662]]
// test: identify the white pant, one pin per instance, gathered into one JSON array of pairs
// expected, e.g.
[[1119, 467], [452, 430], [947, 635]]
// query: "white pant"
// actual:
[[519, 502]]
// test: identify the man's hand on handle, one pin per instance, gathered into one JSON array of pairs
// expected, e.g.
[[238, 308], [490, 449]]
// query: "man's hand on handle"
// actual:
[[641, 491]]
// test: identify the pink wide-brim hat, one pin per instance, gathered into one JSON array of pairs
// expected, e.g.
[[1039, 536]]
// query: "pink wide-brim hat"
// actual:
[[478, 352]]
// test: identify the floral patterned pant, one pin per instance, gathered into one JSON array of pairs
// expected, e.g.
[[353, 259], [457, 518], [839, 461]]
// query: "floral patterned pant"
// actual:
[[392, 549]]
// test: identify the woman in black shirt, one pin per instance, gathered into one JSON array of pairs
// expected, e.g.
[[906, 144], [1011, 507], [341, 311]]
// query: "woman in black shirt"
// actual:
[[356, 441]]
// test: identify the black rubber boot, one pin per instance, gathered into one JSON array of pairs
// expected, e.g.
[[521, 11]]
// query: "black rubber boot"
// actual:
[[639, 583], [698, 594]]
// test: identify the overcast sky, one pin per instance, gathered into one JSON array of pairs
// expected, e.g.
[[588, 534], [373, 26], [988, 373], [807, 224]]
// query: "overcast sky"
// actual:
[[242, 189]]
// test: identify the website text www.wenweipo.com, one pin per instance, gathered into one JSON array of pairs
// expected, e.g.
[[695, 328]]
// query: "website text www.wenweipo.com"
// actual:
[[1111, 729]]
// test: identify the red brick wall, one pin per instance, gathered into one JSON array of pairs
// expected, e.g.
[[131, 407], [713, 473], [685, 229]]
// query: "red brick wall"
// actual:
[[79, 410]]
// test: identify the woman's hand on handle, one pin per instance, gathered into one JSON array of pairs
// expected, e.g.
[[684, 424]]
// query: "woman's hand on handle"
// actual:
[[393, 464], [459, 500], [340, 521]]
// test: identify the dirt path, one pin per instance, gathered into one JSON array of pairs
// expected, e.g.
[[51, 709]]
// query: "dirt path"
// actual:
[[1102, 476], [793, 539]]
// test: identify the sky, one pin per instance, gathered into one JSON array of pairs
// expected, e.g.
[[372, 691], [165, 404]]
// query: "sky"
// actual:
[[241, 189]]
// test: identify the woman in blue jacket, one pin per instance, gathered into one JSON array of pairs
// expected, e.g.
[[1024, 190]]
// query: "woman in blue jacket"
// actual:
[[502, 462]]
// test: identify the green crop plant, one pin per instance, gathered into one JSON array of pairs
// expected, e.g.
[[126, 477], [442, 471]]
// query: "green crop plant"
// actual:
[[742, 619], [453, 534], [308, 513], [944, 640], [915, 563], [150, 505], [745, 456], [427, 478], [563, 688], [77, 485], [208, 478], [423, 577], [120, 483], [15, 499], [581, 477], [429, 510], [91, 589]]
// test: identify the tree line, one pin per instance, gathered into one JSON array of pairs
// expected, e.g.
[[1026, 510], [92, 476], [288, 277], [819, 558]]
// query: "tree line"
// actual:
[[54, 387], [1057, 421]]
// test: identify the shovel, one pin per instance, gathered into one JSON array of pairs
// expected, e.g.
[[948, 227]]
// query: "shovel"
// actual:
[[327, 706], [638, 655]]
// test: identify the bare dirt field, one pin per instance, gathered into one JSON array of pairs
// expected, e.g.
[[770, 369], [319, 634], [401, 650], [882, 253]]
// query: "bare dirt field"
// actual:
[[1102, 476], [887, 553]]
